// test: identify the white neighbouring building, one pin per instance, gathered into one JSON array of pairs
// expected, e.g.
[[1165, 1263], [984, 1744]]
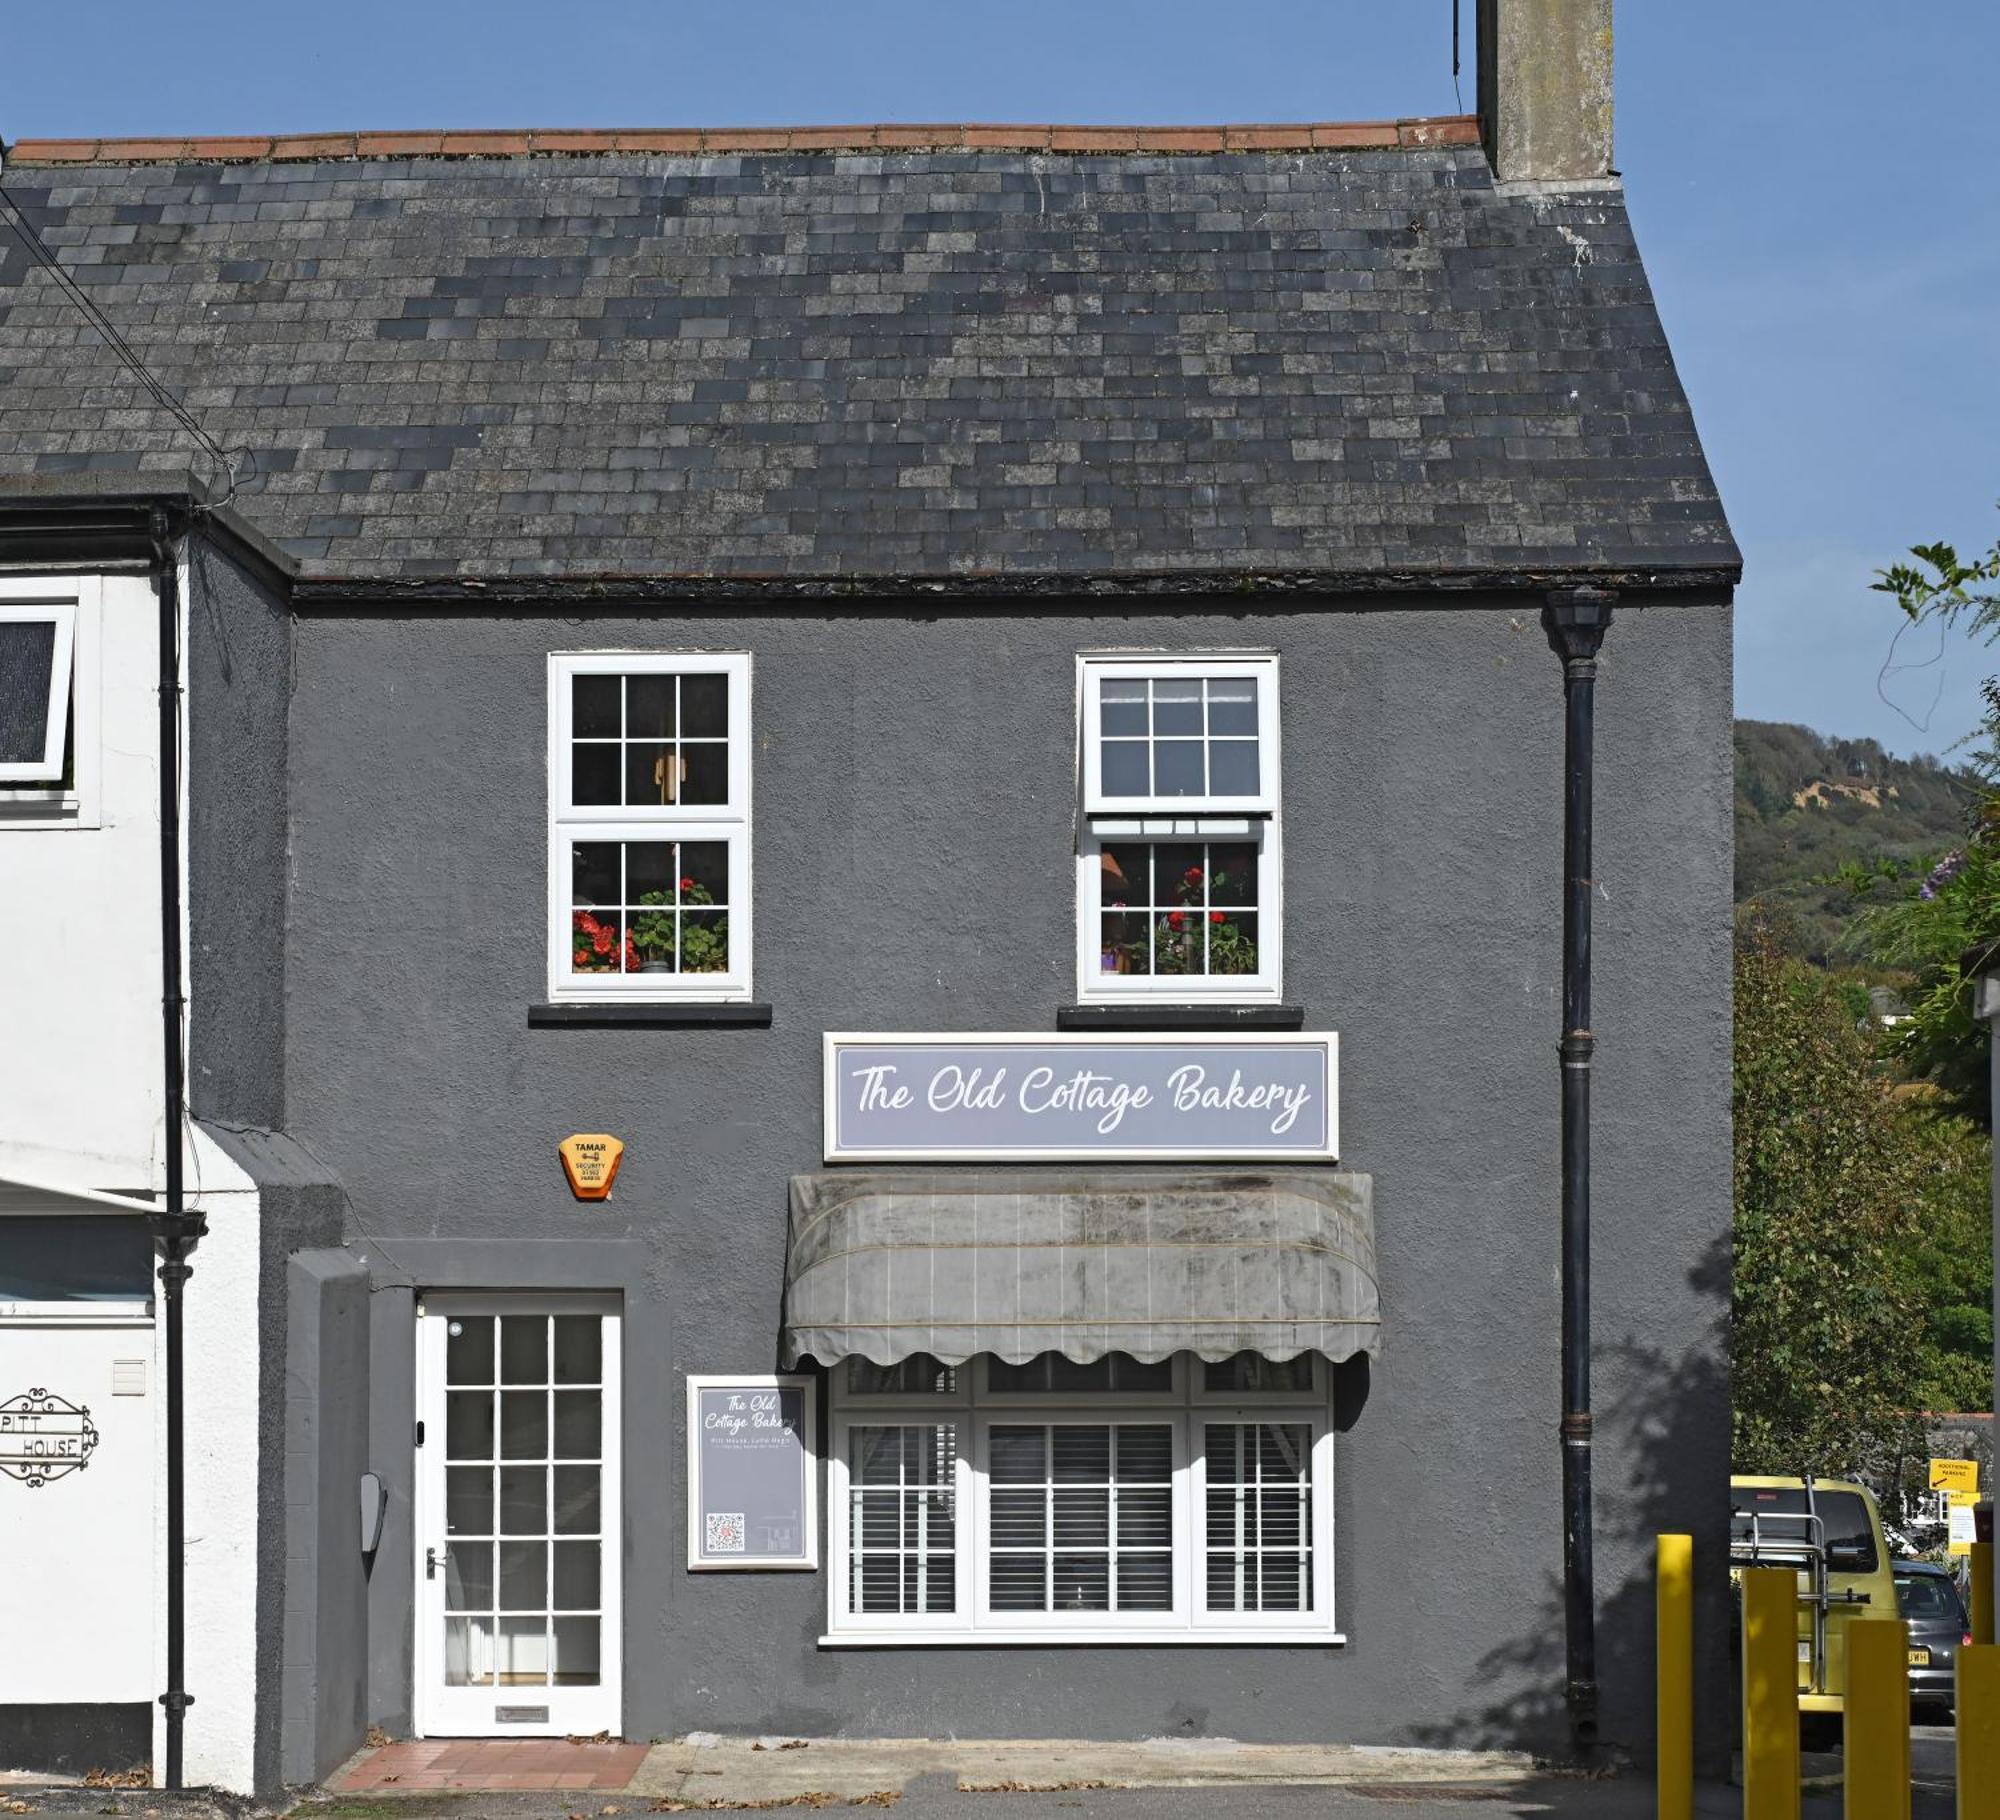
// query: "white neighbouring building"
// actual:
[[82, 1158]]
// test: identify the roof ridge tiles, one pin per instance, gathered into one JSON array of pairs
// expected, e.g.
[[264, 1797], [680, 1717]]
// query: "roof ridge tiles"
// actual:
[[1304, 136]]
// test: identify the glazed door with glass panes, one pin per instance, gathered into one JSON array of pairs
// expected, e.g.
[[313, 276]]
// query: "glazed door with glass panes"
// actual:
[[517, 1536]]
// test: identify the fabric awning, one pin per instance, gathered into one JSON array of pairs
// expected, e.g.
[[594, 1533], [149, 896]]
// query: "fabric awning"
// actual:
[[884, 1264]]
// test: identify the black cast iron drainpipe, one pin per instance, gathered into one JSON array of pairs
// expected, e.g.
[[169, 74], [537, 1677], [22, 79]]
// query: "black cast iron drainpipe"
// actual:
[[175, 1229], [1575, 620]]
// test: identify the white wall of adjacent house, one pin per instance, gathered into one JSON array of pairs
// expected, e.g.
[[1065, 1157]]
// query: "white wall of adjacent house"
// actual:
[[82, 1111], [79, 909]]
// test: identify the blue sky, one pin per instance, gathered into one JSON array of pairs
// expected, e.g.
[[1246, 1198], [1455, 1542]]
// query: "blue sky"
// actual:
[[1812, 185]]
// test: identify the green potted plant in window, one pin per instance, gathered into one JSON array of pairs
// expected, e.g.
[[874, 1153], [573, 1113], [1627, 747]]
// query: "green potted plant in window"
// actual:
[[653, 933], [701, 944], [1230, 950], [704, 938]]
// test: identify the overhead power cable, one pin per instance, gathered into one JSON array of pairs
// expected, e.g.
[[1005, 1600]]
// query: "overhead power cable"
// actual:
[[150, 382], [1457, 93]]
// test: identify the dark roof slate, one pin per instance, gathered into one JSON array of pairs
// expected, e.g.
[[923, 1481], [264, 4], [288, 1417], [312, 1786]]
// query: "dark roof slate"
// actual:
[[922, 364]]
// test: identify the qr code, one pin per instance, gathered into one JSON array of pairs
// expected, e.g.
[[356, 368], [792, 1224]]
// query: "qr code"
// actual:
[[725, 1532]]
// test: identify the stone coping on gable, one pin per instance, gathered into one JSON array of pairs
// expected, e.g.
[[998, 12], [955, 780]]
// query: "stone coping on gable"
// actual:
[[1317, 136]]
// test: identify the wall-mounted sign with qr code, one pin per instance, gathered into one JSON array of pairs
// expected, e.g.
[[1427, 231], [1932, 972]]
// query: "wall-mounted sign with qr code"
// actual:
[[752, 1472]]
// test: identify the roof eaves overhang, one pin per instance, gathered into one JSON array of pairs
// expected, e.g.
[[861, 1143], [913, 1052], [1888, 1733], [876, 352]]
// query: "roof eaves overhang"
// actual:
[[1711, 583], [52, 522]]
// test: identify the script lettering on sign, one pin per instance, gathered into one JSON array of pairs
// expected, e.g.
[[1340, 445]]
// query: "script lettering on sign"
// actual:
[[44, 1437], [1057, 1099]]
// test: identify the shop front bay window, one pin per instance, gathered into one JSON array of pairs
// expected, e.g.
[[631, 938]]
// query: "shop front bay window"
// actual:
[[1098, 1501], [1179, 869], [649, 854]]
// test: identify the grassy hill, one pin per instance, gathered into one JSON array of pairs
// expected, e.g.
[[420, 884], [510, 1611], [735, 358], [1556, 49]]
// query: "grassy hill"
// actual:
[[1806, 806]]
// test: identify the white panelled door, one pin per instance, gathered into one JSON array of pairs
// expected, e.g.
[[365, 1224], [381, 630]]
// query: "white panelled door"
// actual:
[[517, 1533]]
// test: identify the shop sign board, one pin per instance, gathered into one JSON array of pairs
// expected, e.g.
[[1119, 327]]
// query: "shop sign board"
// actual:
[[752, 1487], [1954, 1475], [1231, 1097]]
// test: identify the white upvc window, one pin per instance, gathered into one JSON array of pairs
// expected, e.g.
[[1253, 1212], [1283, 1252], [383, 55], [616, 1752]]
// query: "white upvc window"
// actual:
[[1063, 1503], [37, 646], [1180, 861], [649, 826]]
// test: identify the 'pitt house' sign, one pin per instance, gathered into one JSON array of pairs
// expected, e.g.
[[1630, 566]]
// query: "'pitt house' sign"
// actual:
[[1073, 1099]]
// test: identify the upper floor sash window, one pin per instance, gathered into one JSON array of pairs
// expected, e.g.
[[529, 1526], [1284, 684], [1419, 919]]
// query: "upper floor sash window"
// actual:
[[649, 826], [1179, 863]]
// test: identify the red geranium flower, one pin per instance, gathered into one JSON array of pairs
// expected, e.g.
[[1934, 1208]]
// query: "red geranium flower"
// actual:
[[1174, 919], [1193, 875], [1216, 916], [687, 884], [602, 941]]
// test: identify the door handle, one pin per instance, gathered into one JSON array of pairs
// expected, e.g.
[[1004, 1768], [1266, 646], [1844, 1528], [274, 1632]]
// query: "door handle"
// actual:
[[433, 1558]]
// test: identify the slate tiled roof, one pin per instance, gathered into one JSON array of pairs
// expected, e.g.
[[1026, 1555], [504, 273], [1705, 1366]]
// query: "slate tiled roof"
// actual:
[[919, 364]]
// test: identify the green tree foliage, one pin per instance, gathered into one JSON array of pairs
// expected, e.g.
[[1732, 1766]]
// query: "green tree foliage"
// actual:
[[1926, 933], [1948, 1266], [1853, 1210], [1930, 928], [1937, 585]]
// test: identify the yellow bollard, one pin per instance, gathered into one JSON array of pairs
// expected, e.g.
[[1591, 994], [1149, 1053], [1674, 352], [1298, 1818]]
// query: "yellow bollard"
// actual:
[[1979, 1732], [1674, 1691], [1770, 1694], [1982, 1592], [1878, 1719]]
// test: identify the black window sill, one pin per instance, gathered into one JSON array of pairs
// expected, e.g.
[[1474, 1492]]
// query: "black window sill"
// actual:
[[656, 1017], [1180, 1017]]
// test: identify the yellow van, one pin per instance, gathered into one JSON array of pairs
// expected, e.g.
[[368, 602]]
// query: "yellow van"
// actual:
[[1830, 1533]]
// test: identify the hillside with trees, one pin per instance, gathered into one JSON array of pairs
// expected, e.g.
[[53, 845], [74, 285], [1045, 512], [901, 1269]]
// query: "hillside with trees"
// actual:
[[1813, 811]]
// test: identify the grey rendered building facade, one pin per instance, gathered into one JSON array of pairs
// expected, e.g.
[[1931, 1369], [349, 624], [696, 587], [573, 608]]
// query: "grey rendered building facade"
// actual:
[[912, 431]]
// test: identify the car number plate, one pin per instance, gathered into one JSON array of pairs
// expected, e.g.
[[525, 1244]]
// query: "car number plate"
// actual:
[[1920, 1658]]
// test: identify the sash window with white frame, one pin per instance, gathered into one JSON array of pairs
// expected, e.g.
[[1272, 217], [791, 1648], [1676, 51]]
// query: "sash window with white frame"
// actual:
[[1179, 866], [1095, 1502], [649, 827]]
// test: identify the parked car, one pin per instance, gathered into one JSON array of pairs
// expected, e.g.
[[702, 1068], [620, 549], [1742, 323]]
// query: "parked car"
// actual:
[[1829, 1532], [1928, 1599]]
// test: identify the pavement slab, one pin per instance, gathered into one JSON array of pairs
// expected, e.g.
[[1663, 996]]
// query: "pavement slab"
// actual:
[[706, 1768], [416, 1765]]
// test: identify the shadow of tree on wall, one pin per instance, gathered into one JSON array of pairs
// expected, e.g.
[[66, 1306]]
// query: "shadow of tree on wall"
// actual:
[[1671, 1417]]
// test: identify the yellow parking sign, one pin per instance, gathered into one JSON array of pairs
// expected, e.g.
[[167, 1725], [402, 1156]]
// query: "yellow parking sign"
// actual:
[[1955, 1475]]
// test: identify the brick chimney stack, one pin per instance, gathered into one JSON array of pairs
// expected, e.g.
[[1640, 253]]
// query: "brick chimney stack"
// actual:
[[1545, 89]]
